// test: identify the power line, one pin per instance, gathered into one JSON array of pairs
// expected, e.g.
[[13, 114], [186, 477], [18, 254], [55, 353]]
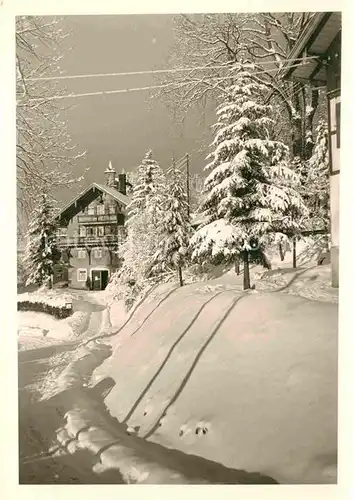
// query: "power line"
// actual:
[[102, 92], [129, 73], [160, 71], [151, 87]]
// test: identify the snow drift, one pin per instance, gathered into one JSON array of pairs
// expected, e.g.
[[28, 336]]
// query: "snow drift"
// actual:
[[245, 379]]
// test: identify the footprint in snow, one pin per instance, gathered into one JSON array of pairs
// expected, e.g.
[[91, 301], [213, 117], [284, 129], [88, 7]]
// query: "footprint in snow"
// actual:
[[133, 431], [202, 428], [184, 430]]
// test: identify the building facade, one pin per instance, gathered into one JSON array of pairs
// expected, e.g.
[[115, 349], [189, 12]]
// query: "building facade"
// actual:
[[321, 40], [91, 228]]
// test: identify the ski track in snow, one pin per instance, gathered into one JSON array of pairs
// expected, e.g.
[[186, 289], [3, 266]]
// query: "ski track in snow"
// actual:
[[62, 354]]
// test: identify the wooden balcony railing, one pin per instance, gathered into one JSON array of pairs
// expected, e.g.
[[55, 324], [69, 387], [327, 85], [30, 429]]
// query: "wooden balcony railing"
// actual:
[[107, 218], [109, 240]]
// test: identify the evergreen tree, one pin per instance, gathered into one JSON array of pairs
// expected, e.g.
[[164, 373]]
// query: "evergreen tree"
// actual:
[[41, 252], [138, 249], [173, 246], [145, 215], [143, 228], [251, 196], [148, 192]]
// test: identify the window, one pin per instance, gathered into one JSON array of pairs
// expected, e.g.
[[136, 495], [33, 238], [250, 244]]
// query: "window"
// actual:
[[98, 253], [100, 209], [111, 209], [81, 274], [91, 211], [107, 230], [91, 231], [82, 231], [81, 254], [100, 231]]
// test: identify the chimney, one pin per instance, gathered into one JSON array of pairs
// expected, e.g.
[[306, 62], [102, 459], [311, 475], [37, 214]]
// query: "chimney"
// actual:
[[110, 175], [122, 183]]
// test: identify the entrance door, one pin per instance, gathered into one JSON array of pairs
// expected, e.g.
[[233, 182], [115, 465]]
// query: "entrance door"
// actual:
[[99, 279], [104, 279], [96, 280]]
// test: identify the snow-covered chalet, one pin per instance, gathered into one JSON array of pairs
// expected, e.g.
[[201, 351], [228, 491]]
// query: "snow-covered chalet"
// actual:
[[91, 227]]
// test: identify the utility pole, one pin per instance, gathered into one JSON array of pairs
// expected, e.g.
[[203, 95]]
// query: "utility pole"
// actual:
[[188, 189]]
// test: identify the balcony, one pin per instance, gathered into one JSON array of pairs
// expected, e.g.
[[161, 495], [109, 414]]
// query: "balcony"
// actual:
[[109, 240], [107, 218]]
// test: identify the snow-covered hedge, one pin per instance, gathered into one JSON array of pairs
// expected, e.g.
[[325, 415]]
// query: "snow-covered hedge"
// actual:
[[57, 311], [50, 303]]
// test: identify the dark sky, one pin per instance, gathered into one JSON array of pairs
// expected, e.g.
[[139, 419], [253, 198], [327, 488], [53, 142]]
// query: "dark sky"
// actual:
[[122, 127]]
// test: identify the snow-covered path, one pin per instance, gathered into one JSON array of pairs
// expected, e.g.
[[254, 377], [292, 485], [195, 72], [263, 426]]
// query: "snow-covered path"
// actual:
[[42, 360], [40, 419]]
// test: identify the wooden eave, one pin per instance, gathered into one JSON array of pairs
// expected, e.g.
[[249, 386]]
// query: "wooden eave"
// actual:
[[317, 40], [81, 201]]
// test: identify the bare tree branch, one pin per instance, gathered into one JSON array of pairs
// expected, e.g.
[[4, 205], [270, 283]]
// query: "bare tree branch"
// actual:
[[264, 39], [45, 153]]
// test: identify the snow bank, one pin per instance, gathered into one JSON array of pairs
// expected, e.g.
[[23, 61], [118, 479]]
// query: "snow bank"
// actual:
[[248, 380], [41, 324], [308, 250], [135, 460], [54, 298], [313, 283], [78, 371], [32, 325]]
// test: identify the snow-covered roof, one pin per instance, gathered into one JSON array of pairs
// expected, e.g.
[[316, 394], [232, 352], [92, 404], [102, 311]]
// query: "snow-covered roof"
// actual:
[[117, 195]]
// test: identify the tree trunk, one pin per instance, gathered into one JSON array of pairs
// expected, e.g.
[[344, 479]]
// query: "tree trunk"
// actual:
[[237, 265], [246, 271], [309, 116], [281, 252], [296, 137], [180, 277], [294, 252]]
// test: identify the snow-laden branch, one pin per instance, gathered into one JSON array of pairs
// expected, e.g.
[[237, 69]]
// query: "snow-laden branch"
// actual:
[[45, 152]]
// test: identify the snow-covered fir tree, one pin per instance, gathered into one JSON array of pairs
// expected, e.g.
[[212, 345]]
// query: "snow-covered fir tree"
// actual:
[[41, 251], [251, 192], [144, 216], [149, 189], [143, 229], [138, 249], [135, 254], [173, 246], [196, 188]]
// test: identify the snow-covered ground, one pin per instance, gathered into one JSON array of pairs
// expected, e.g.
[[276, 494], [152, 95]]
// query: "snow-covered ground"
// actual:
[[248, 380], [54, 297], [37, 329], [40, 329]]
